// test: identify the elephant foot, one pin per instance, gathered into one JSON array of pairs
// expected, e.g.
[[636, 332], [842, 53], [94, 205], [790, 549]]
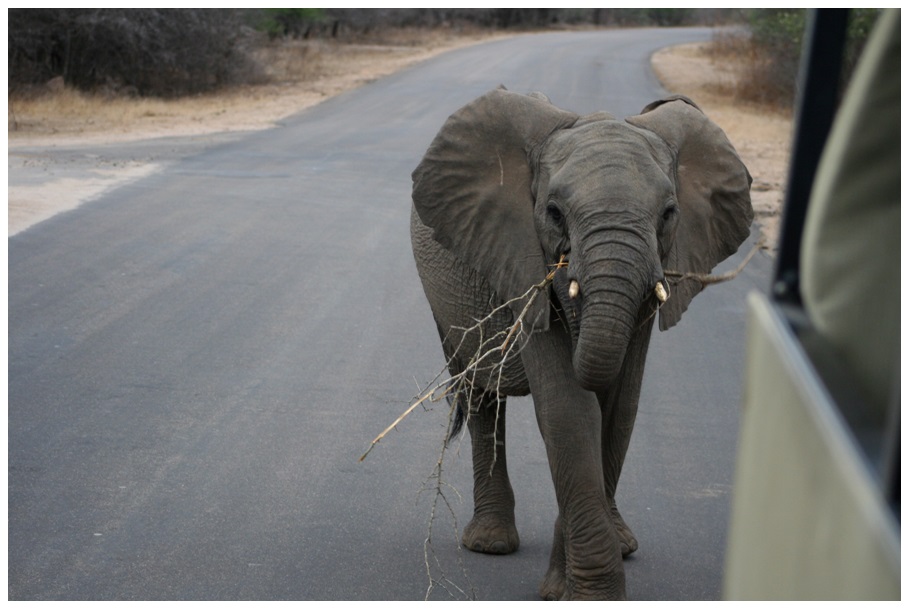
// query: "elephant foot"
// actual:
[[627, 541], [553, 586], [491, 534]]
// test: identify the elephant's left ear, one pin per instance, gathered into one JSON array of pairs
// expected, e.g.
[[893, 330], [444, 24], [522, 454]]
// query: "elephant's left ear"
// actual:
[[712, 192]]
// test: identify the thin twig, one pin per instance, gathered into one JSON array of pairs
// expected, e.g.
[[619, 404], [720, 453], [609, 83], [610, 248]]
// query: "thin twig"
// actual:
[[481, 359], [707, 279], [428, 552]]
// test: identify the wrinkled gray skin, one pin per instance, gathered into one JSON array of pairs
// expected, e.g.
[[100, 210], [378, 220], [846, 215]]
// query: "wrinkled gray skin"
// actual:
[[509, 185]]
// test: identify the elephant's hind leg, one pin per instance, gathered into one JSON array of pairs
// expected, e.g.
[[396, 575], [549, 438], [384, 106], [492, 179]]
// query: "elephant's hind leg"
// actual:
[[492, 529]]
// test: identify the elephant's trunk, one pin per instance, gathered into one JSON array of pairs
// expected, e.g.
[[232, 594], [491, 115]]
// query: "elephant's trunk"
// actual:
[[602, 339], [613, 286]]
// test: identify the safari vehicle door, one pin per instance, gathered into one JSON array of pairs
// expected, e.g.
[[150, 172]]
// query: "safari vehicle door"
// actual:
[[816, 496]]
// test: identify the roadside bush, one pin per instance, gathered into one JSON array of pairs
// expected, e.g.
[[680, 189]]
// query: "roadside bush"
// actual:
[[862, 20], [772, 52], [174, 52], [154, 52], [347, 23], [290, 22], [777, 35]]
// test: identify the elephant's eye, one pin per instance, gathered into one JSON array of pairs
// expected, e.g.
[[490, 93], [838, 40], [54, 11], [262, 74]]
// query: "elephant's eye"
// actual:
[[555, 214], [670, 211]]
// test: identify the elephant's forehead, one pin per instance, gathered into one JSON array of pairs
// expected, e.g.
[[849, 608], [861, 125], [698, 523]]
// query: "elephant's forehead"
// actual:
[[605, 146]]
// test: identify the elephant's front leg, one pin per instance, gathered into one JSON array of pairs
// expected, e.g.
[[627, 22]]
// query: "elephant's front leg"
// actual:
[[492, 529], [585, 539], [619, 406]]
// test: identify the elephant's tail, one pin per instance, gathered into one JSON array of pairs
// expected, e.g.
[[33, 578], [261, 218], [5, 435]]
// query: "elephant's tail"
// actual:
[[459, 416]]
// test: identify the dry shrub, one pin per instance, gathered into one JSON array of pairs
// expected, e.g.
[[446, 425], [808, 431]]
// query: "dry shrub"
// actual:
[[157, 52], [768, 53], [286, 60], [763, 78]]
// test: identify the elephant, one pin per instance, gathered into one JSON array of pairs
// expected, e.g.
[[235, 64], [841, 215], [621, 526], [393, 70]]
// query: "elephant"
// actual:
[[510, 186]]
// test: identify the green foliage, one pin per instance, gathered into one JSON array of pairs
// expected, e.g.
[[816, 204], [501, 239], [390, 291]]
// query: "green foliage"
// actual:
[[862, 20], [778, 27], [289, 22], [777, 37]]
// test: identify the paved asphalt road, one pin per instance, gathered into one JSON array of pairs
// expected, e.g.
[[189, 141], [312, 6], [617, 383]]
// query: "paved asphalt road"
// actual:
[[198, 359]]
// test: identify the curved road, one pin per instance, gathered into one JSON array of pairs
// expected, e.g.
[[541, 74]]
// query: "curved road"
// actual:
[[198, 359]]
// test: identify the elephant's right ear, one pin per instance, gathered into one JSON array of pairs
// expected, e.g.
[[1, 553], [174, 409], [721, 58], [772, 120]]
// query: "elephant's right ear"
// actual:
[[474, 188], [712, 191]]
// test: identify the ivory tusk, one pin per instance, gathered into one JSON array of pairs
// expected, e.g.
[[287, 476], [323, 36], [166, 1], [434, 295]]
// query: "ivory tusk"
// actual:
[[573, 289], [661, 292]]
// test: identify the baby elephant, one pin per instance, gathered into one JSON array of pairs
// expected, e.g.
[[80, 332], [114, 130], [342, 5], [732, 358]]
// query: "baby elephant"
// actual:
[[513, 189]]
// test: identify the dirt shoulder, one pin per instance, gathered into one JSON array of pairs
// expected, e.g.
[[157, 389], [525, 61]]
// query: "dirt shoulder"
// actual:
[[68, 120]]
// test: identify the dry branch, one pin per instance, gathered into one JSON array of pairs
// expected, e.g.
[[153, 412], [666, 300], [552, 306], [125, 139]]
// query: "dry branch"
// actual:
[[490, 359], [481, 361], [705, 279]]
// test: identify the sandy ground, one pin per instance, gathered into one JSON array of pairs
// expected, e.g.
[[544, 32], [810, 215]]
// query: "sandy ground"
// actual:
[[761, 138]]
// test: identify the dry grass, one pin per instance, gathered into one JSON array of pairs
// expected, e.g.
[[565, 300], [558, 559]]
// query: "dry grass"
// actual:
[[70, 110], [734, 52], [760, 81], [299, 74]]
